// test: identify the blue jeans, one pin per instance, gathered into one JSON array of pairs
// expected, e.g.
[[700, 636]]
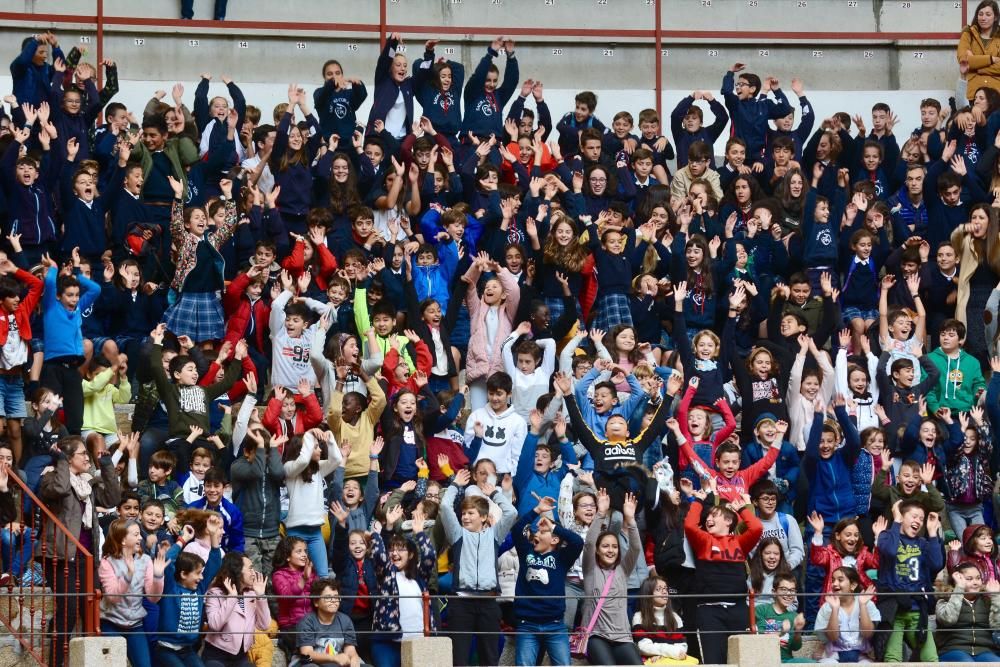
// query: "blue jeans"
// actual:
[[313, 537], [532, 636], [386, 653], [962, 516], [16, 550], [136, 643], [959, 656], [186, 657]]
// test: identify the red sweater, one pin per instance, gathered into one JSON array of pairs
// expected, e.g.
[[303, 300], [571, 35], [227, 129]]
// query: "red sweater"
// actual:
[[730, 488], [721, 558]]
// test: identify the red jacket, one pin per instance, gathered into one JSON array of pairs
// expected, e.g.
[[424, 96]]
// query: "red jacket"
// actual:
[[424, 362], [239, 309], [22, 315], [830, 559], [308, 414], [296, 264]]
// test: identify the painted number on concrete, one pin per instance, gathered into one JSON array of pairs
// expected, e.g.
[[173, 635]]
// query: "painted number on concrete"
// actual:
[[550, 3], [869, 55], [706, 3], [801, 3], [753, 3], [764, 53], [609, 53], [905, 5], [352, 47], [713, 53], [194, 42], [557, 52], [853, 4], [300, 45], [139, 41], [919, 55], [817, 54], [602, 2], [449, 50], [84, 39], [244, 45]]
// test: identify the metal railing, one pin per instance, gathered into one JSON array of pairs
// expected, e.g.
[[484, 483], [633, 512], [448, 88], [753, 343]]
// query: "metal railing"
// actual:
[[37, 587]]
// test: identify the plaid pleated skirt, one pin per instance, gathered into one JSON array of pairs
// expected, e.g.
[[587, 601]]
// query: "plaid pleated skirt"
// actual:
[[197, 315], [609, 310]]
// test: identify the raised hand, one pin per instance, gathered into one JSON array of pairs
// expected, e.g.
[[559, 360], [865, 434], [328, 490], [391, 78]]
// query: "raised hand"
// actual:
[[603, 502]]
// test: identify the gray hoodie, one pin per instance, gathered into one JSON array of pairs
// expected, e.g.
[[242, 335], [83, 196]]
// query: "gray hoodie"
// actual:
[[476, 554]]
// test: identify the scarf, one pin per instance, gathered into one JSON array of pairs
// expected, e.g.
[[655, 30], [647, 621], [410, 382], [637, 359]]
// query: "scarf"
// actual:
[[82, 489]]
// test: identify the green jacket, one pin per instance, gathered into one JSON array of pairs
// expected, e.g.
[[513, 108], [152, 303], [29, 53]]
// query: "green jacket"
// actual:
[[181, 151], [960, 382], [931, 498], [811, 310]]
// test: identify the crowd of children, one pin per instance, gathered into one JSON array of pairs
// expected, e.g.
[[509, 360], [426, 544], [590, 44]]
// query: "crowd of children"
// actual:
[[591, 397]]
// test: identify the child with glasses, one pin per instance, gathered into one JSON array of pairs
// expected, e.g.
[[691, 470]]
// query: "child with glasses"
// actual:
[[781, 617]]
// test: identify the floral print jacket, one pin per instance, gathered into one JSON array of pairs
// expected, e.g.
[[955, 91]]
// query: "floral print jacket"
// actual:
[[185, 244], [387, 604]]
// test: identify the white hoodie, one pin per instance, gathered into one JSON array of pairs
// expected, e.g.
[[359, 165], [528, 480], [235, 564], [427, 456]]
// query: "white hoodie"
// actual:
[[504, 437]]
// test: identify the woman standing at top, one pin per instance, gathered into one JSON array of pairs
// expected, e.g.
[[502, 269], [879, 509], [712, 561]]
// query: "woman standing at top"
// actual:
[[978, 48]]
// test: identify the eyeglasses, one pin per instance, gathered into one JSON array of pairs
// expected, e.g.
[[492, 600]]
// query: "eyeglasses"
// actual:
[[785, 591], [742, 84], [398, 548], [598, 180], [330, 598], [586, 506], [432, 496]]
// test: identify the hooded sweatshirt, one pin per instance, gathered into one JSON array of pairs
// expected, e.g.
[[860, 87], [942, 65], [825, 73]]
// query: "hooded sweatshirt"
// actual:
[[961, 379], [503, 439]]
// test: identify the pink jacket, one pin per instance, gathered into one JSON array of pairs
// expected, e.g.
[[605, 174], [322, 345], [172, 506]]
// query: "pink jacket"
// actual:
[[479, 364], [230, 628], [294, 602]]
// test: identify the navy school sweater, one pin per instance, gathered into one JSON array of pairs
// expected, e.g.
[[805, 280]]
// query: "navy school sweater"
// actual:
[[820, 239], [443, 109], [484, 111]]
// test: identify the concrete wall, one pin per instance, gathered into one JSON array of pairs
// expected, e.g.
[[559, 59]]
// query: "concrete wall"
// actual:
[[621, 71]]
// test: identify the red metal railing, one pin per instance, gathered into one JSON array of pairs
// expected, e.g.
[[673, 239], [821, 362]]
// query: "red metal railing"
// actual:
[[655, 34], [43, 586]]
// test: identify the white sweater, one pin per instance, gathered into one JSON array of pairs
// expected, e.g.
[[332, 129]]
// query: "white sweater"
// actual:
[[801, 411], [306, 505]]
